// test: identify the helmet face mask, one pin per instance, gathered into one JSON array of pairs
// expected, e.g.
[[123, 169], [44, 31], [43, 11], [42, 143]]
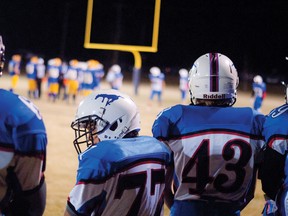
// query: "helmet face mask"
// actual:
[[104, 115], [86, 131], [213, 81]]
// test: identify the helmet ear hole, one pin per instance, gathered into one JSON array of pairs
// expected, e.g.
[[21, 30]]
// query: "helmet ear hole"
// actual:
[[114, 126]]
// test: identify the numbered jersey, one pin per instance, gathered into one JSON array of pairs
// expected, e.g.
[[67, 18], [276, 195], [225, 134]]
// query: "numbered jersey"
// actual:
[[214, 150], [22, 145], [121, 177], [276, 135]]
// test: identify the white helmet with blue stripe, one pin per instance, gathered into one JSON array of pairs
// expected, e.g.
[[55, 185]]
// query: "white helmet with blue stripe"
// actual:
[[213, 80]]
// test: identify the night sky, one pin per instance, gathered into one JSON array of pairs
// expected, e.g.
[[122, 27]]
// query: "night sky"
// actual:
[[254, 34]]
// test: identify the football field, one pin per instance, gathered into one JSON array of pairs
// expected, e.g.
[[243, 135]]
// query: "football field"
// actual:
[[62, 157]]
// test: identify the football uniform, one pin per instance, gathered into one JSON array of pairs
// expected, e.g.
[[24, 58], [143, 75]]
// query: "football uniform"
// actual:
[[14, 72], [127, 175], [156, 85], [53, 72], [115, 79], [183, 86], [214, 154], [275, 168], [259, 90], [72, 80], [23, 143], [31, 70], [88, 82]]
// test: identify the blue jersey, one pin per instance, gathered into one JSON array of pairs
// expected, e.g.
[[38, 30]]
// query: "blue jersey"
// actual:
[[121, 177], [259, 92], [31, 70], [275, 169], [14, 67], [23, 143], [214, 150]]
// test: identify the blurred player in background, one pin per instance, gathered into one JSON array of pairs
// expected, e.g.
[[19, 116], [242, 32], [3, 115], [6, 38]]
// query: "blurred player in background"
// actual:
[[54, 67], [14, 70], [120, 173], [40, 75], [31, 72], [215, 145], [97, 70], [91, 77], [115, 77], [157, 80], [23, 143], [62, 82], [274, 172], [258, 92], [183, 84], [72, 80]]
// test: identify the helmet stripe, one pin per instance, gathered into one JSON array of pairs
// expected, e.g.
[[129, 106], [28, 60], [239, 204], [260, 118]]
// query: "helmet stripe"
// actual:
[[214, 72]]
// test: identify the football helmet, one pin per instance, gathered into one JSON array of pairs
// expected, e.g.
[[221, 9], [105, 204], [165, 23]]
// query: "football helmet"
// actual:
[[115, 68], [2, 55], [213, 80], [155, 71], [105, 114], [258, 79], [73, 62], [183, 72]]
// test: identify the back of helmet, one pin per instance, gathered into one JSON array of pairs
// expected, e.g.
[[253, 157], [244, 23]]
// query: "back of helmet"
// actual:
[[213, 81]]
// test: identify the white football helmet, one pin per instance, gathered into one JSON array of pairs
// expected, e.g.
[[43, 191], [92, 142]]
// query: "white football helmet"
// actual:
[[155, 71], [183, 72], [107, 114], [213, 80], [258, 79], [115, 68]]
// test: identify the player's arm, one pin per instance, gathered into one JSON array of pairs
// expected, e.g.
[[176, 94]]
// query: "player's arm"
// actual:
[[272, 172], [69, 212], [168, 191], [27, 177]]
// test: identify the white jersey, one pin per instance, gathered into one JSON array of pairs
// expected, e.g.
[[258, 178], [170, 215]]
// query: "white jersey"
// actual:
[[214, 150], [121, 177]]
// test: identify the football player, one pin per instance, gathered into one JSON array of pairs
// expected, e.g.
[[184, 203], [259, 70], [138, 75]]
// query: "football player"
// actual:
[[23, 143], [92, 77], [31, 71], [41, 73], [214, 144], [53, 71], [115, 77], [120, 173], [258, 92], [183, 84], [157, 80], [14, 70], [72, 80], [274, 171]]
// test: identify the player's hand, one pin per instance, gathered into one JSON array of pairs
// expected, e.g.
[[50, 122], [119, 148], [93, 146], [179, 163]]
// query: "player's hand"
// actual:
[[269, 208]]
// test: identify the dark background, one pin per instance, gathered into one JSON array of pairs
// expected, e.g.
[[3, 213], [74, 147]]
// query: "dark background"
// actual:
[[253, 34]]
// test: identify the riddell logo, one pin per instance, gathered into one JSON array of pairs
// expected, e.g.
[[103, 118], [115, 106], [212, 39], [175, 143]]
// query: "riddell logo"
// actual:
[[214, 96]]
